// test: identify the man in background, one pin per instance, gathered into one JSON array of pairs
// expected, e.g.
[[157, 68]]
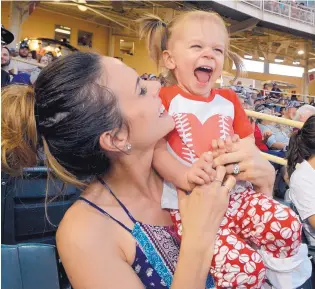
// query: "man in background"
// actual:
[[6, 38]]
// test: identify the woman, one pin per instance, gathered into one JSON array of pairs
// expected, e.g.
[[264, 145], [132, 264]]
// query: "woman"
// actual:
[[91, 125], [34, 75], [302, 179]]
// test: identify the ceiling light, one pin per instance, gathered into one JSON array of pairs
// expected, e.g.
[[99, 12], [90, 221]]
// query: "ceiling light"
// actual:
[[279, 60], [63, 31], [82, 7], [262, 58], [300, 52], [247, 56], [122, 40], [296, 62], [312, 70]]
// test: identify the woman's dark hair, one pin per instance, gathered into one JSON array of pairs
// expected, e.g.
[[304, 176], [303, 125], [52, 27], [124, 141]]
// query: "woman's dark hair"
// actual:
[[301, 145], [68, 111]]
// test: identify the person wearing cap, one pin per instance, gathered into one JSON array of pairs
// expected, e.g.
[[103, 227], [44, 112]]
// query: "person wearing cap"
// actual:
[[21, 67], [275, 91], [289, 113], [152, 77]]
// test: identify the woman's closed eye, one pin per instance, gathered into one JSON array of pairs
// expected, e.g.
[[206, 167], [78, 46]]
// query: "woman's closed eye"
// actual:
[[143, 90]]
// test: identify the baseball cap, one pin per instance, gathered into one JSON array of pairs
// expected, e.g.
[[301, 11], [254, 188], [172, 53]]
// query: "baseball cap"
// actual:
[[24, 44], [6, 36], [293, 103]]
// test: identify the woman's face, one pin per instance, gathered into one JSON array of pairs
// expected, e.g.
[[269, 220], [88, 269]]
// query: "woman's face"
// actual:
[[29, 56], [44, 60], [139, 103]]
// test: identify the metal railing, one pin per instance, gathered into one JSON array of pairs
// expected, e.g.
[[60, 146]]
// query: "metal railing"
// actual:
[[291, 10]]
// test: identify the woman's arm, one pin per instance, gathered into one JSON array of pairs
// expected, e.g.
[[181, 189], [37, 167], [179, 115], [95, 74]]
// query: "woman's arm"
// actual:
[[92, 257]]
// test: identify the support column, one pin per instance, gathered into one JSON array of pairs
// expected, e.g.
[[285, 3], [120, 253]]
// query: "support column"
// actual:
[[305, 74], [111, 43], [15, 23], [266, 66]]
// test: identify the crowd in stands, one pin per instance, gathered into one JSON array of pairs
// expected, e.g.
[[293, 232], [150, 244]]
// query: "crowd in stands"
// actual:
[[300, 10], [17, 66]]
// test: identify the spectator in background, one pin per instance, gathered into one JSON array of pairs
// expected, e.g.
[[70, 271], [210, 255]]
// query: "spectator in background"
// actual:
[[144, 76], [265, 90], [50, 56], [304, 113], [5, 58], [302, 179], [6, 38], [282, 111], [289, 113], [35, 73], [152, 77], [275, 91], [293, 96], [278, 140], [21, 67]]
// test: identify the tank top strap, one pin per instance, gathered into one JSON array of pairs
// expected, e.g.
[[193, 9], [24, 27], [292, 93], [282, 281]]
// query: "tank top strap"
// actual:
[[105, 213], [119, 202]]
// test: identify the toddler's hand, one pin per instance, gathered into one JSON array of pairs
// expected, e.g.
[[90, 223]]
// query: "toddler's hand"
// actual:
[[220, 146], [201, 172]]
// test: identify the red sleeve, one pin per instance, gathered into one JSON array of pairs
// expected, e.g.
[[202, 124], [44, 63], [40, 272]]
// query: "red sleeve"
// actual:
[[241, 124], [167, 94]]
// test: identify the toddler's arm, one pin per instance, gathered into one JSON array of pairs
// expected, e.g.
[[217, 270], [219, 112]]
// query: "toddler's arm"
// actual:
[[178, 174]]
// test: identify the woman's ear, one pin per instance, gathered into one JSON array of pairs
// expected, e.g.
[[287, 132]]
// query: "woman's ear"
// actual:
[[169, 62], [114, 141]]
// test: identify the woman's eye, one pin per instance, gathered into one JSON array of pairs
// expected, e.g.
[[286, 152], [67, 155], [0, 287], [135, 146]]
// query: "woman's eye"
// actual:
[[143, 90]]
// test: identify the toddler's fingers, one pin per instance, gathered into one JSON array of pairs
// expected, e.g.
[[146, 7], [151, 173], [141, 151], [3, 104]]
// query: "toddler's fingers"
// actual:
[[228, 144], [235, 138]]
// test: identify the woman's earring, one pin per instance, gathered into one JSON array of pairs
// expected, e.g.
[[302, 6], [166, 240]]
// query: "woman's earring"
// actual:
[[128, 147]]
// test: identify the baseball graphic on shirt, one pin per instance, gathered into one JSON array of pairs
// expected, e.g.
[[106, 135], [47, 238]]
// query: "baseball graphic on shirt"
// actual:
[[233, 254], [286, 233], [295, 226], [266, 217], [280, 243], [256, 257], [241, 278], [234, 268], [252, 212], [281, 214], [270, 236], [250, 267], [254, 202], [271, 247], [229, 277], [244, 258], [295, 236], [252, 279], [239, 245], [275, 226], [232, 240]]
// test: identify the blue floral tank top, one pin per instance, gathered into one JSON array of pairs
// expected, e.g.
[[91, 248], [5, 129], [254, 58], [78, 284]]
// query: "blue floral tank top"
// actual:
[[157, 250]]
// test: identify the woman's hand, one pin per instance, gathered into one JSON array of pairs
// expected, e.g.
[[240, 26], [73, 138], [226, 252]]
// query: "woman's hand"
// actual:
[[202, 211], [253, 167]]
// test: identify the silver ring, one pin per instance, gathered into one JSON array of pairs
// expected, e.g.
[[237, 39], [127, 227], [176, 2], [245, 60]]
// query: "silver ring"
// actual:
[[229, 189], [236, 169]]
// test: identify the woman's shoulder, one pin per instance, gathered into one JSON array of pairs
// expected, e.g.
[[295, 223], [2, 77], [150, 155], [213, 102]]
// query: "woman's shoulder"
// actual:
[[303, 175]]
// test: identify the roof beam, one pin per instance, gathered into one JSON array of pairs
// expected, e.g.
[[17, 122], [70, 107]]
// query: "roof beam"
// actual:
[[243, 26]]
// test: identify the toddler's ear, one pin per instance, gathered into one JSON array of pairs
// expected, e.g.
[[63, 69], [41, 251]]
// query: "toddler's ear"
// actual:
[[168, 60]]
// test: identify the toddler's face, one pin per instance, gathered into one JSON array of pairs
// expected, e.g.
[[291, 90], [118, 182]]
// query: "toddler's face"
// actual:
[[197, 50]]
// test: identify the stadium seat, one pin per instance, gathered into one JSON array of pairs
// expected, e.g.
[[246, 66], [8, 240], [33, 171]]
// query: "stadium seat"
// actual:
[[29, 266], [23, 207]]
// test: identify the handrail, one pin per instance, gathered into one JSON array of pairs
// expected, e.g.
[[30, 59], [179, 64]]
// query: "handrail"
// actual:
[[276, 119]]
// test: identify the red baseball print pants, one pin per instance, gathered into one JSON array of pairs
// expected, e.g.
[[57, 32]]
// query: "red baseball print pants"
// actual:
[[252, 221]]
